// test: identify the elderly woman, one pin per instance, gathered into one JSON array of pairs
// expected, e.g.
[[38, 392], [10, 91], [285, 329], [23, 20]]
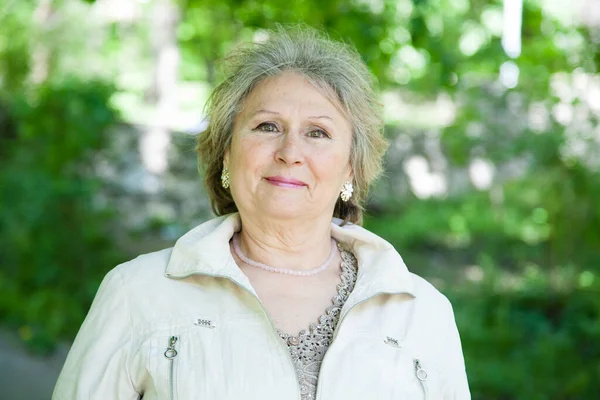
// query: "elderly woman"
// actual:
[[284, 295]]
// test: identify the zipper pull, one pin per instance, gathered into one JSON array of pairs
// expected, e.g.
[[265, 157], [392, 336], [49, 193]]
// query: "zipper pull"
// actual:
[[171, 353], [419, 371]]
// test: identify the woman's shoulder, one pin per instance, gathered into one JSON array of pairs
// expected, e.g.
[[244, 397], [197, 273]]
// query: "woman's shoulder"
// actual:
[[145, 294], [428, 295]]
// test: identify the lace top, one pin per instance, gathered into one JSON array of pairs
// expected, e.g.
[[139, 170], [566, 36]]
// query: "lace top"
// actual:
[[309, 347]]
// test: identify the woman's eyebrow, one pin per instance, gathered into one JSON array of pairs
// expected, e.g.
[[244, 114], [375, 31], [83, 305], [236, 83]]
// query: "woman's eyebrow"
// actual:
[[263, 111]]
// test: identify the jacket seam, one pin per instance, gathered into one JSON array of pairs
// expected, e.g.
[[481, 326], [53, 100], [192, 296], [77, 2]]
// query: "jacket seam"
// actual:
[[449, 386], [130, 339]]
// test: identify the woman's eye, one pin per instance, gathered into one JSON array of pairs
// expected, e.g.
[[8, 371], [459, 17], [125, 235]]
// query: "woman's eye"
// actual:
[[267, 127], [318, 133]]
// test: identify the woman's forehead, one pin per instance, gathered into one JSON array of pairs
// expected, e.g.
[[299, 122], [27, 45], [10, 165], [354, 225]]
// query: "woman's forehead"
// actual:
[[290, 89]]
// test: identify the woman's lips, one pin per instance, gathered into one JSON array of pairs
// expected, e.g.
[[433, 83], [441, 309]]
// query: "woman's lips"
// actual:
[[285, 182]]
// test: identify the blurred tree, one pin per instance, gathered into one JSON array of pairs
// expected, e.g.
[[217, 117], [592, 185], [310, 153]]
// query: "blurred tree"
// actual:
[[55, 239]]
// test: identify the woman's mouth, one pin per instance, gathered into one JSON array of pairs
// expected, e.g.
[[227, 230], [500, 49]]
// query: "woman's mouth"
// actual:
[[285, 182]]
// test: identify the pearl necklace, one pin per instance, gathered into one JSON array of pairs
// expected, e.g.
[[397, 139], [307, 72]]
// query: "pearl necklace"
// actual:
[[287, 271]]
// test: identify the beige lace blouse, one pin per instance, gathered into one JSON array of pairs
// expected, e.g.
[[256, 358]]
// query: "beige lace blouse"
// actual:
[[309, 347]]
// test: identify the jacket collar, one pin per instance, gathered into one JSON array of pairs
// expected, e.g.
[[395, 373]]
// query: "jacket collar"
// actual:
[[205, 250]]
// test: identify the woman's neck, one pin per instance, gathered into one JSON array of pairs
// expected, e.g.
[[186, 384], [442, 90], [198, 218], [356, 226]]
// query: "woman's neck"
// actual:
[[301, 245]]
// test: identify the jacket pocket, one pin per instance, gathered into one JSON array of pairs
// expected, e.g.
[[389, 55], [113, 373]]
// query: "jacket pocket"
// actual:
[[175, 360], [171, 356], [422, 375], [418, 377], [427, 377]]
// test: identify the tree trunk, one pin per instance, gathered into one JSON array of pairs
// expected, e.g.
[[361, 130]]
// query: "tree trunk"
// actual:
[[155, 142], [41, 54]]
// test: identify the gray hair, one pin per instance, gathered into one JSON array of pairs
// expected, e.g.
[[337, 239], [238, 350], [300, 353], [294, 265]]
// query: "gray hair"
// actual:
[[334, 68]]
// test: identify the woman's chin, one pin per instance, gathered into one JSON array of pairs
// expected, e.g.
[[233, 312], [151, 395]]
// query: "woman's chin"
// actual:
[[284, 209]]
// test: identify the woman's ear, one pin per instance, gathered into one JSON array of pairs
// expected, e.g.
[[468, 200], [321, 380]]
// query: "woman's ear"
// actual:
[[226, 159], [350, 174]]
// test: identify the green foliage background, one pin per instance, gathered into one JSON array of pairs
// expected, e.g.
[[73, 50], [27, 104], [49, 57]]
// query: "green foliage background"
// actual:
[[519, 260]]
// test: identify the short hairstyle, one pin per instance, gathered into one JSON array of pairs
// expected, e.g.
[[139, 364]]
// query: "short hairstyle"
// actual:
[[333, 67]]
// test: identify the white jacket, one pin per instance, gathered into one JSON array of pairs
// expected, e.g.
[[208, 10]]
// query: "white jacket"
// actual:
[[193, 304]]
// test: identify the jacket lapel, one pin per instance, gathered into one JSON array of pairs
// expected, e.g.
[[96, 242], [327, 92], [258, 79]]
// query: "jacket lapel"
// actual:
[[205, 251]]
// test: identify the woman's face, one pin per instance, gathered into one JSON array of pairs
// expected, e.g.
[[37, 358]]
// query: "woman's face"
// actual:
[[290, 151]]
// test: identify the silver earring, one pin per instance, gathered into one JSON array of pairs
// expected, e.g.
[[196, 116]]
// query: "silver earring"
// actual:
[[225, 178], [347, 190]]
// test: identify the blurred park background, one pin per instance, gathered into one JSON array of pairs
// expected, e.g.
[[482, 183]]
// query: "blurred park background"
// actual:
[[492, 185]]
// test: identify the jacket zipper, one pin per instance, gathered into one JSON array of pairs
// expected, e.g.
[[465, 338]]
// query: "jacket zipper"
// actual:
[[421, 376], [170, 354], [286, 351]]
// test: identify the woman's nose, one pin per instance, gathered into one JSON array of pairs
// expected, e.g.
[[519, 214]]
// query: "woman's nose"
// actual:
[[289, 150]]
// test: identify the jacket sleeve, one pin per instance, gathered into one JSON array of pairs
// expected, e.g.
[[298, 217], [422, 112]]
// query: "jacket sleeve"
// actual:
[[457, 387], [97, 364]]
